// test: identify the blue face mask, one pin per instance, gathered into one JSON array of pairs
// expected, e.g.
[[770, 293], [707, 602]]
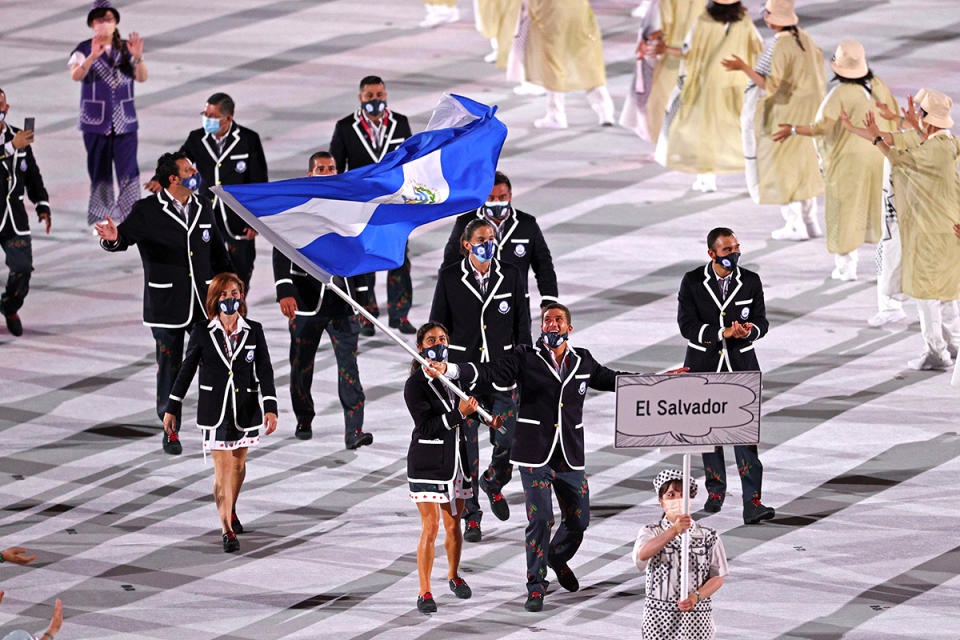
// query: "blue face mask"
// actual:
[[496, 209], [437, 353], [553, 338], [229, 306], [211, 125], [729, 261], [192, 183], [483, 251], [374, 107]]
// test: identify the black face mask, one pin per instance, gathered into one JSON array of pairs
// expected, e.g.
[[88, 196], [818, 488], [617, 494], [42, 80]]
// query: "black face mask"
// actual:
[[729, 261], [437, 353], [374, 107], [229, 306]]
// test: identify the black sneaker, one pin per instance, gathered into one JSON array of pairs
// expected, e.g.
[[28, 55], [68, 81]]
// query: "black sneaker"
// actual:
[[367, 330], [235, 523], [714, 503], [230, 542], [403, 325], [303, 432], [498, 504], [460, 588], [358, 439], [755, 512], [565, 576], [425, 603], [172, 444], [534, 602], [15, 327], [473, 533]]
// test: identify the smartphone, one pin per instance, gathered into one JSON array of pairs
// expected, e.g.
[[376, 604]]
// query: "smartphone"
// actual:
[[29, 124]]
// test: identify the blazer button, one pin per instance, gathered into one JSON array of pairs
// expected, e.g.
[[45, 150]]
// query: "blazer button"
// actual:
[[561, 405], [219, 164], [721, 351], [556, 425], [191, 253], [723, 313], [484, 327], [230, 374], [481, 348], [236, 390]]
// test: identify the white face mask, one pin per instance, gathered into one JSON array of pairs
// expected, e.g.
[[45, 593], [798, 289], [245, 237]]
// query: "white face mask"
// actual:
[[673, 508]]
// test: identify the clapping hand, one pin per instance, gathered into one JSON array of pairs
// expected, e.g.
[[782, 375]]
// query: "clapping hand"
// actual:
[[886, 112], [107, 230], [98, 46], [870, 123], [737, 330], [911, 114], [15, 555], [135, 45]]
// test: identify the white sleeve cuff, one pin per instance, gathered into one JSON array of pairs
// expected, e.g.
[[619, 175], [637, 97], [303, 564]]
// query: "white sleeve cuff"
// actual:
[[8, 148], [720, 334], [453, 371]]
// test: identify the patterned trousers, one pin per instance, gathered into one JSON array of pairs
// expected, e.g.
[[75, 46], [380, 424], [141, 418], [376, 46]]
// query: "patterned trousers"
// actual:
[[502, 403], [305, 334], [170, 358], [573, 497], [18, 251], [106, 153], [748, 465], [399, 292]]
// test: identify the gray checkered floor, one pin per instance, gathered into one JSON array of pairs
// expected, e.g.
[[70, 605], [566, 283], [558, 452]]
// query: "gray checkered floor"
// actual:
[[861, 454]]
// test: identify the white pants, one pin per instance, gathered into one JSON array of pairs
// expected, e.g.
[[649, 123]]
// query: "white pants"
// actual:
[[939, 324], [800, 213], [846, 263], [599, 100]]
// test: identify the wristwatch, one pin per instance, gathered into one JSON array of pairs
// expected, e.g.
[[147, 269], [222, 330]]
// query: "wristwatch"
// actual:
[[877, 139]]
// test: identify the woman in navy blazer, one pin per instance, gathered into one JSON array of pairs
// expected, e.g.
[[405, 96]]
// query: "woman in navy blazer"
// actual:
[[436, 462], [231, 353]]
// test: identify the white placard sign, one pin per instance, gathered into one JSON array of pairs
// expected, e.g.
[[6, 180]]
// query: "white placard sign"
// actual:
[[688, 409]]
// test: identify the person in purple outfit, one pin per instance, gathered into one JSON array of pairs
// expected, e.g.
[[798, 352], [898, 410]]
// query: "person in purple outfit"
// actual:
[[106, 67]]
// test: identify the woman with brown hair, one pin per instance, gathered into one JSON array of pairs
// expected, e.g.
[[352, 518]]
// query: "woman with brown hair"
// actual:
[[437, 462], [231, 353]]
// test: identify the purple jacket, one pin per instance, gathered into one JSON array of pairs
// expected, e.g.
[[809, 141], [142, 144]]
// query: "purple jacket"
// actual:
[[106, 95]]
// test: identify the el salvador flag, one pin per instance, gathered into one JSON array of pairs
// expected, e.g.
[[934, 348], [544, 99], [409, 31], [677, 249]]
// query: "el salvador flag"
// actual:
[[358, 222]]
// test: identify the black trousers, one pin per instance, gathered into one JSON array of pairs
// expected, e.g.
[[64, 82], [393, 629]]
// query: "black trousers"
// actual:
[[748, 466], [170, 357], [499, 472], [18, 252], [573, 497], [305, 335], [242, 254], [399, 292]]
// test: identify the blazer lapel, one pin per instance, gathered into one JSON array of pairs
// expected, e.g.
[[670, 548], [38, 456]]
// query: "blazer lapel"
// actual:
[[493, 286], [362, 136], [711, 285], [165, 203], [243, 339], [468, 279], [218, 345], [387, 138], [235, 130], [547, 361], [513, 227], [731, 294]]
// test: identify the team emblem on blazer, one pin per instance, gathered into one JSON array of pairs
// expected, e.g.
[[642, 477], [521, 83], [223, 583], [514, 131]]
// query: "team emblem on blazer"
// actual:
[[745, 313], [583, 387], [206, 235], [23, 165], [241, 166], [250, 355], [519, 250], [504, 306]]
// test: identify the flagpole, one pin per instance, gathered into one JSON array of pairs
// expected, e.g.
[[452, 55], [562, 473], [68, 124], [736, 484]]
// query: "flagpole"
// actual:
[[487, 417]]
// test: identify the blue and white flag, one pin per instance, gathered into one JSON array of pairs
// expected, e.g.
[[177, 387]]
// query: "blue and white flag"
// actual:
[[358, 222]]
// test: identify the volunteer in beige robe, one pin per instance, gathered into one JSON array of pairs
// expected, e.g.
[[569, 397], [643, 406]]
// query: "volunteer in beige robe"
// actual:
[[563, 52], [701, 129], [852, 170], [497, 21], [788, 85], [929, 187]]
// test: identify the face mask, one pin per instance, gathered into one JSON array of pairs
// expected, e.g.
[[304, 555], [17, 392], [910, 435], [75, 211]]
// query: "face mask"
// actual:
[[496, 209], [673, 508], [3, 116], [211, 125], [728, 262], [374, 107], [105, 29], [230, 306], [192, 183], [553, 338], [437, 353], [483, 251]]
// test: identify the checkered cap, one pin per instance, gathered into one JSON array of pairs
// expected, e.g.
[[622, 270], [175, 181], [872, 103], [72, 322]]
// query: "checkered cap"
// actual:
[[673, 474]]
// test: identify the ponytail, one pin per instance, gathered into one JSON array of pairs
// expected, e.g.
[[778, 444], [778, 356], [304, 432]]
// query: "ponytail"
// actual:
[[796, 36]]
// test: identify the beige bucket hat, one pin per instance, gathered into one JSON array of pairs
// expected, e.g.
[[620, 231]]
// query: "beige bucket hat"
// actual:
[[781, 13], [850, 60], [937, 105]]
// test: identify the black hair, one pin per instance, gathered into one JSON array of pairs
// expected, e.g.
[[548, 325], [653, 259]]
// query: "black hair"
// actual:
[[725, 12], [676, 485], [167, 166], [469, 230], [716, 233], [421, 332], [863, 81], [501, 178], [796, 35], [557, 305], [225, 102], [318, 156], [368, 80]]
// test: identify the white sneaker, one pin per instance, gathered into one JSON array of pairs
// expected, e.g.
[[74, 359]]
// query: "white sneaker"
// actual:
[[451, 14], [789, 232], [931, 361], [434, 17], [640, 10], [845, 276], [952, 350], [881, 318], [813, 229], [529, 89], [709, 183], [491, 57], [551, 122]]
